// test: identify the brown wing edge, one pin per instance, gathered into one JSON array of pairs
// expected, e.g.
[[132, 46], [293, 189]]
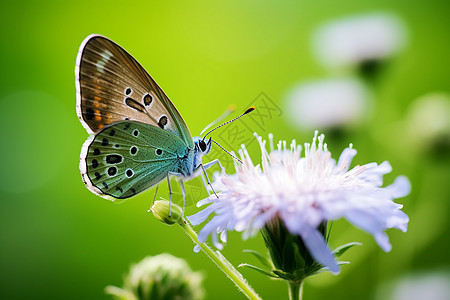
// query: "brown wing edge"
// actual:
[[77, 81]]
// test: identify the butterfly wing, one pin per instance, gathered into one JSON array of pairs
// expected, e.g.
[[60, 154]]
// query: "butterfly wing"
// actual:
[[112, 86], [127, 157]]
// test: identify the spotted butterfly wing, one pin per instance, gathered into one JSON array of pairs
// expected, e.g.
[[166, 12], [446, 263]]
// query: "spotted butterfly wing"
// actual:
[[116, 98], [128, 157], [112, 86]]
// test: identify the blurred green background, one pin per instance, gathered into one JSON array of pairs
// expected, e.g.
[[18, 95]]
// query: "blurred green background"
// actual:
[[60, 241]]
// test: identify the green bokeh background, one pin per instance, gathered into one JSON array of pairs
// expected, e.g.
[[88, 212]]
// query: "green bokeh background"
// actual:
[[59, 241]]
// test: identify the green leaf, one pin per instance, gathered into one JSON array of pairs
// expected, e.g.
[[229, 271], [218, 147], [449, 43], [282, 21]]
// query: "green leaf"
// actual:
[[326, 269], [283, 275], [261, 258], [262, 271], [342, 249]]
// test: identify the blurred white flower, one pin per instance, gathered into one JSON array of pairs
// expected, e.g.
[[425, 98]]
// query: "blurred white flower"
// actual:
[[430, 286], [428, 121], [358, 39], [303, 192], [328, 103]]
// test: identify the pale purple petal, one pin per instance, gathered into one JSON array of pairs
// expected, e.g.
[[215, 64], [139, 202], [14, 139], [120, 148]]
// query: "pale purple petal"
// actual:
[[400, 188], [383, 241], [223, 236], [346, 159], [316, 245], [201, 216]]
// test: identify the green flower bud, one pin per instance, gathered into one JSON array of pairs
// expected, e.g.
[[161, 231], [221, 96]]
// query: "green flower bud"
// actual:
[[160, 277], [161, 209], [289, 255]]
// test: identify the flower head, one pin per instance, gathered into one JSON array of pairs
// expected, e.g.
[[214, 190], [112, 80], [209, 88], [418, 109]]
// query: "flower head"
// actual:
[[163, 276], [304, 192], [428, 122], [359, 39], [330, 103]]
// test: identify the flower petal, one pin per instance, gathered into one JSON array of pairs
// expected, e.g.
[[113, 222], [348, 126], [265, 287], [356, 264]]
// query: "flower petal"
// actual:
[[346, 159], [316, 245], [400, 188]]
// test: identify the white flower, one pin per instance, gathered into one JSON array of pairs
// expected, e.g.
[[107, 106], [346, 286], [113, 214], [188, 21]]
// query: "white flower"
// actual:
[[428, 120], [328, 103], [304, 192], [356, 39]]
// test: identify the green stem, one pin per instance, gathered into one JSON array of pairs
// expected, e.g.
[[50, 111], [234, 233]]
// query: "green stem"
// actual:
[[221, 262], [295, 290]]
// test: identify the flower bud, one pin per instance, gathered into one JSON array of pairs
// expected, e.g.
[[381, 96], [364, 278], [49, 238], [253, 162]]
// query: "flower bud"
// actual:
[[166, 212]]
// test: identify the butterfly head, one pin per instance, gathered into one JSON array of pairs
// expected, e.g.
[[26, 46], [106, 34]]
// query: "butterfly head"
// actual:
[[202, 146]]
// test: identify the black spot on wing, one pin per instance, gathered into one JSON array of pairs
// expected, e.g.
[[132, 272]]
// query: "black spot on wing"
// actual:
[[112, 171], [147, 99], [162, 122], [129, 173], [114, 159], [133, 104], [89, 113], [94, 163]]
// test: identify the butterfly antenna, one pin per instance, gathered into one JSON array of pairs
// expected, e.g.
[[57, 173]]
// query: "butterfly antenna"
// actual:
[[226, 113], [227, 151], [232, 120]]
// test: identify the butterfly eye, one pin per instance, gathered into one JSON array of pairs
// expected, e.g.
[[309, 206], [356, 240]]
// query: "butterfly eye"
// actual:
[[202, 145]]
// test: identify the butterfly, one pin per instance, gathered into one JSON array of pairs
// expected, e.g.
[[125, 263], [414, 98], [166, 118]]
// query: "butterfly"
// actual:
[[138, 138]]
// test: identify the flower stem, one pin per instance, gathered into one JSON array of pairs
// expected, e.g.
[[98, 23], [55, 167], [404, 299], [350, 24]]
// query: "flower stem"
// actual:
[[295, 290], [221, 262]]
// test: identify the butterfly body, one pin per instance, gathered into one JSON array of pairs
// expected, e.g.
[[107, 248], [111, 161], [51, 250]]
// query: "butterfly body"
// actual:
[[139, 138]]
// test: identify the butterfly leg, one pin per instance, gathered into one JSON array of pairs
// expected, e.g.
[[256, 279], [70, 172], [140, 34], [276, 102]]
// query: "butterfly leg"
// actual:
[[183, 192], [154, 198], [205, 175], [207, 178], [213, 162], [204, 184], [170, 195], [209, 165]]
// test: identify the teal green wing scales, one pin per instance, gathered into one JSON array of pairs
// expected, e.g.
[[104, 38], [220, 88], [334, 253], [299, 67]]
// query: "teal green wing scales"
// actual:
[[129, 157]]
